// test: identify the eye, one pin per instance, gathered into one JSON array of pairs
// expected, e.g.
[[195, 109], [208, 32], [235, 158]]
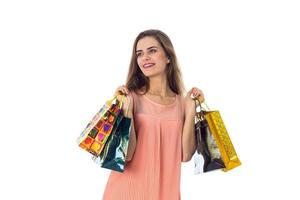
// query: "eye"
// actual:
[[152, 50], [138, 54]]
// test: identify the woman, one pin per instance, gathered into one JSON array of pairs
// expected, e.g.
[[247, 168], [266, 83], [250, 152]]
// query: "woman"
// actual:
[[162, 133]]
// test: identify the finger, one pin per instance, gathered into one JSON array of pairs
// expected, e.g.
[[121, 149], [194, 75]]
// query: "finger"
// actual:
[[189, 93], [122, 90], [126, 90], [194, 93]]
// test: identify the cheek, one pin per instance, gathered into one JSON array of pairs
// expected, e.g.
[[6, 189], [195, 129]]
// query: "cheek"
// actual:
[[161, 57], [138, 60]]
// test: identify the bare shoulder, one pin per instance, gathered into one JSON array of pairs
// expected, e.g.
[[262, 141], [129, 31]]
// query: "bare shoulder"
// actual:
[[182, 98]]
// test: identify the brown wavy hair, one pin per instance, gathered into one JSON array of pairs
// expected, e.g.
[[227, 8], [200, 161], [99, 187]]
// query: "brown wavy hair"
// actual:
[[136, 80]]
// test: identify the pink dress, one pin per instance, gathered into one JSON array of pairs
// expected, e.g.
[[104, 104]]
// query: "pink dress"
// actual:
[[154, 171]]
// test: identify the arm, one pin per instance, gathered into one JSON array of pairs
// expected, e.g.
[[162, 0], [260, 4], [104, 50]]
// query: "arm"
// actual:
[[132, 139], [188, 136], [128, 112], [189, 145]]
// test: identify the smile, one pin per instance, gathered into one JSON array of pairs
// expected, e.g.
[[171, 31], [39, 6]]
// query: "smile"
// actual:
[[148, 65]]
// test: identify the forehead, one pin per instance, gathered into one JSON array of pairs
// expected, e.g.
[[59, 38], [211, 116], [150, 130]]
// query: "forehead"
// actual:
[[146, 42]]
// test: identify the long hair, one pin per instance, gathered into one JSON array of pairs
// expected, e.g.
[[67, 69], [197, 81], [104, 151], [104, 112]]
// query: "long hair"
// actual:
[[136, 80]]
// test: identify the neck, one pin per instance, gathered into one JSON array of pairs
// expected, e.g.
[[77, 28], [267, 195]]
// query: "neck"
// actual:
[[159, 87]]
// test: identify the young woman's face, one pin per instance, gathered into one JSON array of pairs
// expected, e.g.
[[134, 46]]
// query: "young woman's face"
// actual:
[[151, 57]]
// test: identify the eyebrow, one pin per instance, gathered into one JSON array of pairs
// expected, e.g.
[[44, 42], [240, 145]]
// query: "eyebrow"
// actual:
[[147, 48]]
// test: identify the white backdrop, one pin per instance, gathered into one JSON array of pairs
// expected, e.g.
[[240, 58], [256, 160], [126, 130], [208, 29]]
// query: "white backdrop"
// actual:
[[61, 60]]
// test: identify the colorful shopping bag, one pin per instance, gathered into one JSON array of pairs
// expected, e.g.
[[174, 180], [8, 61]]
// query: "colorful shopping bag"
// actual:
[[213, 142], [114, 153], [97, 131]]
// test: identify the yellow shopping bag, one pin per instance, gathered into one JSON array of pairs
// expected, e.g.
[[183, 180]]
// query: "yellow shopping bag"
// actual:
[[221, 137]]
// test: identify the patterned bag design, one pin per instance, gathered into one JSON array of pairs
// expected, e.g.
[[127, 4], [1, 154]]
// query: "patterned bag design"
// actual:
[[97, 131]]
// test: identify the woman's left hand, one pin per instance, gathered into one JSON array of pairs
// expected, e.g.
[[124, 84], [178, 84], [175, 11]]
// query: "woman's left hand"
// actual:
[[190, 103]]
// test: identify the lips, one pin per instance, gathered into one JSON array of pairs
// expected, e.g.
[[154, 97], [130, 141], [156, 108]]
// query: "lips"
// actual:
[[148, 65]]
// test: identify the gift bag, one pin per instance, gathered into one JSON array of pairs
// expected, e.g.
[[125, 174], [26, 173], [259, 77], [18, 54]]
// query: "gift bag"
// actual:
[[115, 149], [213, 143], [97, 131], [114, 153], [207, 147]]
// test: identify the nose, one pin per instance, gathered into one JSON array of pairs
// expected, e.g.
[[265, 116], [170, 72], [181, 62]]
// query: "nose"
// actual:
[[146, 57]]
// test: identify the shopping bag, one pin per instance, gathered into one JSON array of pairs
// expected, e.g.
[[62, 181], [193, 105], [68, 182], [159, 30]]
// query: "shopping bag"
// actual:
[[114, 153], [115, 149], [213, 142], [206, 146], [97, 131]]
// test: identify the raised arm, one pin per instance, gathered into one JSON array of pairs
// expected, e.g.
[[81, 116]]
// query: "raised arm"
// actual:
[[188, 134], [128, 112]]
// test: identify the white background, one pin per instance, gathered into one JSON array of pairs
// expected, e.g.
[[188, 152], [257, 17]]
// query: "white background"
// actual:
[[61, 60]]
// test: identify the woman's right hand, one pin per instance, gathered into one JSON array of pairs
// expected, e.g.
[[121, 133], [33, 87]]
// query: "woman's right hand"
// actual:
[[127, 101]]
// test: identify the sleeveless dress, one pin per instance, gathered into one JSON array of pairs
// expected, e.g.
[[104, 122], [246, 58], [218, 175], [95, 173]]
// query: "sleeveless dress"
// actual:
[[154, 170]]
